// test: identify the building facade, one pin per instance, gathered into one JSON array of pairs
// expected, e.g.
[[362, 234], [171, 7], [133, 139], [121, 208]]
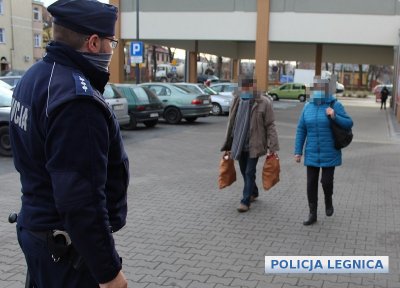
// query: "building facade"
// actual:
[[339, 31], [21, 34]]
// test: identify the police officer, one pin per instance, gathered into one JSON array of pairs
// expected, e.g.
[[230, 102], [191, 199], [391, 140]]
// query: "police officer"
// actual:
[[68, 150]]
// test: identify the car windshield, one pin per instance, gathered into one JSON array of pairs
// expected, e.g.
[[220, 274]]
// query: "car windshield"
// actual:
[[191, 88], [183, 89], [5, 98], [143, 97], [208, 90], [110, 93]]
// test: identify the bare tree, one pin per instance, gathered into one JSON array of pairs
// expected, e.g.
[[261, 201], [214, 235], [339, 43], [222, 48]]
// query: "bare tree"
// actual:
[[171, 54], [360, 75], [154, 58]]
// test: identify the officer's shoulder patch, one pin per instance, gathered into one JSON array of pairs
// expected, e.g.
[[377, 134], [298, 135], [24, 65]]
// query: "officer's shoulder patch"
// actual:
[[82, 85]]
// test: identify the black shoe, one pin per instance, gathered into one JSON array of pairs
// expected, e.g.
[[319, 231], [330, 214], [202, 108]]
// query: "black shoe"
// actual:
[[312, 218], [328, 206]]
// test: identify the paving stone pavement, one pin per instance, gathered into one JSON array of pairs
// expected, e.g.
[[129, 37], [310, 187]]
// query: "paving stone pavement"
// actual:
[[183, 232]]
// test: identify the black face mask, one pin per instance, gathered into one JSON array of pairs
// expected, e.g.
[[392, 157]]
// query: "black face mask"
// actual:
[[100, 60]]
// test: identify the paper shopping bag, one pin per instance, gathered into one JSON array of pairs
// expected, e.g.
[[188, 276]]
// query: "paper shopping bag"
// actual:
[[227, 172], [271, 170]]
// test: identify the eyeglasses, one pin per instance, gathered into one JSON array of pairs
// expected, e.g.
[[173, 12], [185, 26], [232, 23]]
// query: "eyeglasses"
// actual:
[[113, 42]]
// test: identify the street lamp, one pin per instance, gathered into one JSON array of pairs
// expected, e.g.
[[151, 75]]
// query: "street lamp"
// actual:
[[137, 39]]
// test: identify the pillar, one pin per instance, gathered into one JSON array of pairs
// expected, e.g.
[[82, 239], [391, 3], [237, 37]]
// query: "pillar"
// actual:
[[262, 47], [118, 59], [318, 59]]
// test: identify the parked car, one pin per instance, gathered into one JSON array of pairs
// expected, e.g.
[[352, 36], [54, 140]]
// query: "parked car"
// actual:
[[220, 103], [225, 88], [289, 91], [117, 103], [180, 102], [5, 108], [143, 105], [378, 88], [5, 85], [11, 80], [339, 87]]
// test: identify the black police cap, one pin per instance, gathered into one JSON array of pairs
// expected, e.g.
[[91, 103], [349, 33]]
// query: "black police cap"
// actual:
[[85, 16]]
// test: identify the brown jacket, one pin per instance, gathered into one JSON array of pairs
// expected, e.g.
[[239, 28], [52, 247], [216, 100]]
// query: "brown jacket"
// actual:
[[263, 135]]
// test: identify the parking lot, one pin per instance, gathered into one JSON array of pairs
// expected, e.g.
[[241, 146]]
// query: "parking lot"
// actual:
[[184, 232]]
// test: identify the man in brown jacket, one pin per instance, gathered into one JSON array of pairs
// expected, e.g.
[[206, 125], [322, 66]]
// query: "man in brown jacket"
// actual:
[[251, 133]]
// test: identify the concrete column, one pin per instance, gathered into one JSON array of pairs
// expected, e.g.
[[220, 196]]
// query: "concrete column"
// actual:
[[262, 48], [193, 67], [118, 59], [235, 69], [318, 59], [193, 63]]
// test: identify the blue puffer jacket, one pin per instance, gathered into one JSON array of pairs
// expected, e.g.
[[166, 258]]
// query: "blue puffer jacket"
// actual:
[[315, 131]]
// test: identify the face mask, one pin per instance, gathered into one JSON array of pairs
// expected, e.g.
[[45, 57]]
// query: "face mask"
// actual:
[[100, 60], [318, 97], [246, 95]]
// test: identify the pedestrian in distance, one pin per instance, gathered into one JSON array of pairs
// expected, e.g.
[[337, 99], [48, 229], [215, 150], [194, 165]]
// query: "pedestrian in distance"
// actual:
[[251, 133], [314, 135], [384, 96], [68, 150]]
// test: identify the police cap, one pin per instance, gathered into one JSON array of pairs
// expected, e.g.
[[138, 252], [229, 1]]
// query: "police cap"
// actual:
[[85, 16]]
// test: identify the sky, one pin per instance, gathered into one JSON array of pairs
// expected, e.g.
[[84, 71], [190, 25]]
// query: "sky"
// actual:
[[49, 2]]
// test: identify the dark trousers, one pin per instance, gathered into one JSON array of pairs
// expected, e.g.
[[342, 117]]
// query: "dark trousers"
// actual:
[[45, 273], [248, 169], [383, 103], [312, 182]]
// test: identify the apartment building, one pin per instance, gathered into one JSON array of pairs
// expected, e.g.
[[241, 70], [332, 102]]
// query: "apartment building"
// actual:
[[21, 34]]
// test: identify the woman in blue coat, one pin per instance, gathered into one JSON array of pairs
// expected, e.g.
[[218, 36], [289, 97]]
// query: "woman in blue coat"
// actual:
[[314, 135]]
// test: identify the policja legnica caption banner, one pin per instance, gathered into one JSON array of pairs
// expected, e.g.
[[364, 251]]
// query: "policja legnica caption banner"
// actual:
[[326, 264]]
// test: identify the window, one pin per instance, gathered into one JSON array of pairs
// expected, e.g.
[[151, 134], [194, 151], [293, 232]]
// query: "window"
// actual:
[[1, 7], [2, 35], [37, 40], [36, 14], [160, 90]]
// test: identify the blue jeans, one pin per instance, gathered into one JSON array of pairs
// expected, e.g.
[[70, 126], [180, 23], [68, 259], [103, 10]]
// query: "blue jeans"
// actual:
[[248, 169]]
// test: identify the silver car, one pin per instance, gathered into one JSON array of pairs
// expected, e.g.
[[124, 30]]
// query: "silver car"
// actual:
[[225, 88], [117, 103], [220, 103], [5, 108]]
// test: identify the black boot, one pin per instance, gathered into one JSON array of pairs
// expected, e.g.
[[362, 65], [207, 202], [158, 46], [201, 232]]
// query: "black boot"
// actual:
[[328, 206], [312, 217]]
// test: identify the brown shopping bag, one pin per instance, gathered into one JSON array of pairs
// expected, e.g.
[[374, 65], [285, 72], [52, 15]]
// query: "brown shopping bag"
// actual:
[[271, 170], [227, 172]]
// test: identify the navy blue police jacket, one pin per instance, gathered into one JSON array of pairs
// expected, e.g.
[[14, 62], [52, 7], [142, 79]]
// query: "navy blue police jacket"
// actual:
[[68, 150]]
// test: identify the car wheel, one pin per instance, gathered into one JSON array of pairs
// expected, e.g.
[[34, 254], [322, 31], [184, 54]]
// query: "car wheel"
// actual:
[[164, 79], [172, 115], [216, 109], [132, 124], [150, 123], [191, 119], [5, 144], [275, 97], [302, 98]]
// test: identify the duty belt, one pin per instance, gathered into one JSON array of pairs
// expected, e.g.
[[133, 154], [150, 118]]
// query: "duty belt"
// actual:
[[58, 242]]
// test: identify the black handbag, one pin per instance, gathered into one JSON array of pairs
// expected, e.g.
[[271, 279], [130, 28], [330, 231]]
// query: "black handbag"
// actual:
[[343, 137]]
